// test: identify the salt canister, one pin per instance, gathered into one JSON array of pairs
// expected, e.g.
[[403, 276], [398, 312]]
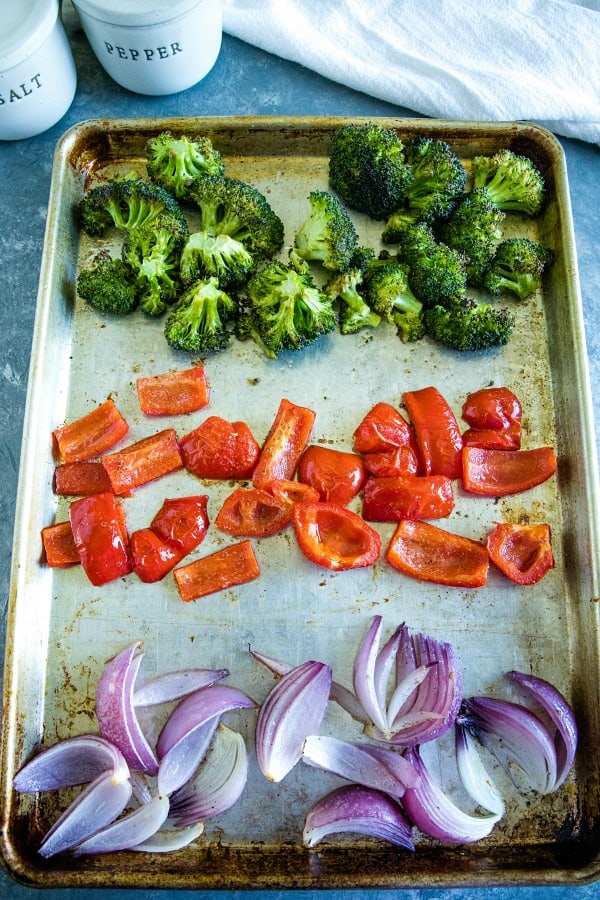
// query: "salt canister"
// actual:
[[153, 46], [37, 72]]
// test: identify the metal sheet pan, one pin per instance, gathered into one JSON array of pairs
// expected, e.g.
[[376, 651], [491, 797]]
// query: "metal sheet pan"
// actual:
[[61, 630]]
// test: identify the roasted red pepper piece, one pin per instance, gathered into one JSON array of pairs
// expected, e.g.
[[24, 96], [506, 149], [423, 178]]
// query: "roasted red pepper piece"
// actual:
[[253, 513], [336, 475], [59, 545], [229, 567], [494, 415], [293, 491], [383, 428], [432, 554], [407, 497], [144, 461], [288, 436], [95, 433], [396, 461], [437, 432], [173, 393], [182, 522], [335, 537], [522, 552], [101, 538], [497, 473], [151, 556], [78, 479], [220, 449]]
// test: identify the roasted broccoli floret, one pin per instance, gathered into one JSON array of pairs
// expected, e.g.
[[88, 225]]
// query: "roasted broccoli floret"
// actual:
[[354, 312], [285, 308], [517, 266], [198, 322], [514, 182], [410, 326], [367, 168], [174, 161], [438, 178], [125, 203], [328, 234], [153, 253], [109, 287], [240, 210], [437, 273], [474, 229], [205, 255], [388, 291], [468, 325]]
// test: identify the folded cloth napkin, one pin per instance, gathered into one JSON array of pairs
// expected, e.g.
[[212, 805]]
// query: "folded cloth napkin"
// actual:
[[502, 60]]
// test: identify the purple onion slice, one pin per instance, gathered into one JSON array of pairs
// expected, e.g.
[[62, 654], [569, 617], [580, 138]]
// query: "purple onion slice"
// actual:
[[385, 771], [175, 685], [75, 760], [358, 810], [128, 831]]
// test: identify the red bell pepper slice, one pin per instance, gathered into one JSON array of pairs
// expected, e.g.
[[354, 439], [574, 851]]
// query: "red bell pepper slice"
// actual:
[[182, 522], [59, 545], [407, 497], [437, 432], [220, 449], [173, 393], [494, 415], [289, 491], [81, 478], [498, 473], [522, 552], [429, 553], [95, 433], [336, 475], [335, 537], [143, 461], [226, 568], [101, 538], [383, 428], [151, 556], [397, 461], [288, 436], [253, 513]]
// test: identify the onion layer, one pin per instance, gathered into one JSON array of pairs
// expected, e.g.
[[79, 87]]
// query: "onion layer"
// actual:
[[358, 810]]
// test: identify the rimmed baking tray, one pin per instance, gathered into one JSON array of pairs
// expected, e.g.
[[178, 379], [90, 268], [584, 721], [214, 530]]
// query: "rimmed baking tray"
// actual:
[[61, 630]]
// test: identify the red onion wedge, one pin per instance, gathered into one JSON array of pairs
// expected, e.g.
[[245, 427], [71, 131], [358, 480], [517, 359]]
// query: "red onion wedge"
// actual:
[[128, 831], [75, 760], [175, 685], [381, 768], [292, 711], [436, 815], [169, 839], [116, 713], [473, 774], [358, 810]]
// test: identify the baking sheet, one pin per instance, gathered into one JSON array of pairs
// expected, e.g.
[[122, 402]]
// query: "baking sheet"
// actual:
[[61, 630]]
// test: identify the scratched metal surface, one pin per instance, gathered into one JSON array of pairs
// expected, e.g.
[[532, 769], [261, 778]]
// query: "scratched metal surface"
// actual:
[[62, 630]]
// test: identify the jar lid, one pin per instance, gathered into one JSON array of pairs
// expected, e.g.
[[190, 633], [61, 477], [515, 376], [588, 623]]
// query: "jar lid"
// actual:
[[23, 27], [135, 12]]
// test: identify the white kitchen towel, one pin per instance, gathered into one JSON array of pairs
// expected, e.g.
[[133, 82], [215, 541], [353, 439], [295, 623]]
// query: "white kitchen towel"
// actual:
[[489, 60]]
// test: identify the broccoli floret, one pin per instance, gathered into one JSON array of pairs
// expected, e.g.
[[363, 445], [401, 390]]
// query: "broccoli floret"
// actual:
[[198, 321], [153, 253], [389, 292], [468, 325], [518, 266], [474, 229], [438, 178], [437, 274], [174, 161], [125, 203], [286, 309], [328, 234], [410, 326], [514, 182], [109, 287], [367, 168], [240, 210], [205, 255], [354, 311]]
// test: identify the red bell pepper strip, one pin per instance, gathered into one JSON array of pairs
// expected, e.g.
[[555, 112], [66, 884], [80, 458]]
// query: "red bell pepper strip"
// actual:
[[522, 552], [78, 479], [253, 513], [407, 497], [101, 538], [143, 461], [220, 449], [59, 545], [396, 461], [336, 475], [182, 522], [437, 432], [494, 415], [288, 436], [151, 556], [226, 568], [383, 428], [497, 473], [335, 537], [432, 554], [489, 439], [173, 393], [285, 489], [95, 433]]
